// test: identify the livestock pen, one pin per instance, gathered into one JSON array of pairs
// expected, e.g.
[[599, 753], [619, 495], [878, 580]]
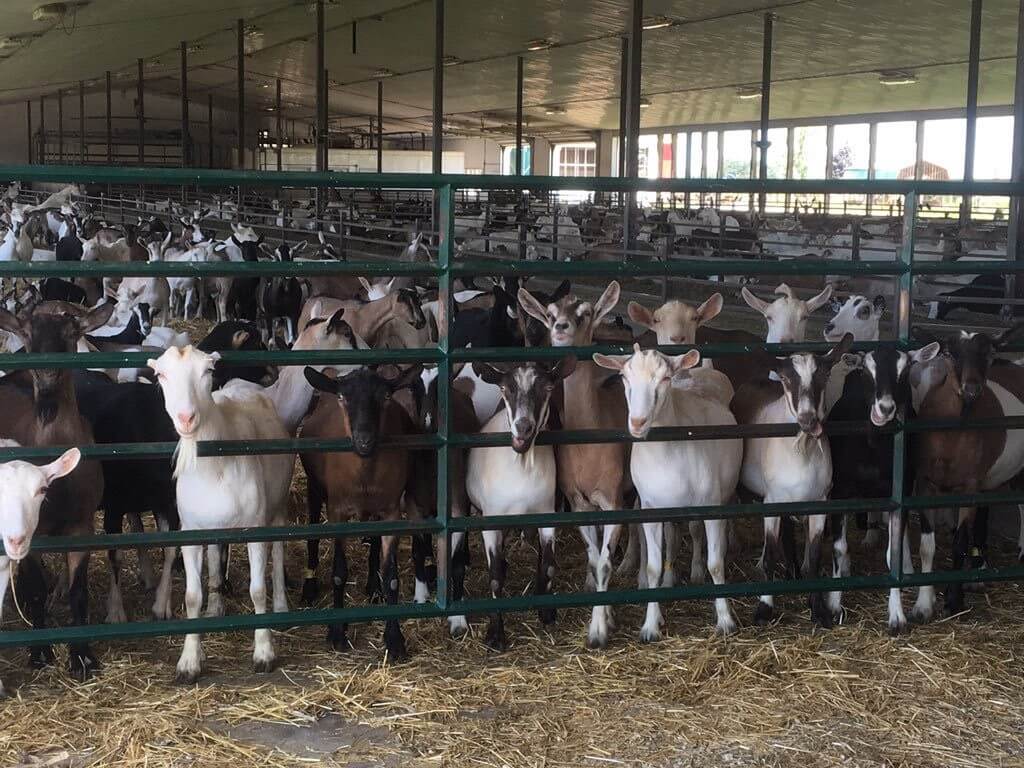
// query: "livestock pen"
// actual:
[[785, 694]]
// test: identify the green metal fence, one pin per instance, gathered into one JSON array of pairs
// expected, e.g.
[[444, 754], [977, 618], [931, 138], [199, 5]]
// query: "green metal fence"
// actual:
[[446, 268]]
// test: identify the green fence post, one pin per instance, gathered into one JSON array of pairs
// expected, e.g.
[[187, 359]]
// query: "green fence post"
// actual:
[[446, 236], [903, 314]]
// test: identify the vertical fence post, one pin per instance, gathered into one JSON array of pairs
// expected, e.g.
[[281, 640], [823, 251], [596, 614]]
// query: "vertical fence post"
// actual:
[[973, 71], [446, 233], [60, 126], [110, 120], [897, 516], [81, 122], [280, 126], [141, 110], [42, 130], [766, 93], [28, 115]]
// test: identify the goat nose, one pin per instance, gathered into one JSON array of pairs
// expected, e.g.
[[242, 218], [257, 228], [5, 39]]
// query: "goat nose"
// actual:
[[523, 426], [638, 424], [16, 542], [830, 327], [185, 418], [886, 408]]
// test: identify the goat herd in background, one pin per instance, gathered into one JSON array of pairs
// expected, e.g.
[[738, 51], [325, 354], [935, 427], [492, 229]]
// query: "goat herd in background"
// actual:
[[186, 394]]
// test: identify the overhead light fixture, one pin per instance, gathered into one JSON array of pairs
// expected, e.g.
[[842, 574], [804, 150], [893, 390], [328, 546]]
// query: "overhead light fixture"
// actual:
[[196, 47], [748, 92], [540, 44], [269, 109], [644, 103], [383, 72], [554, 110], [251, 30], [451, 61], [896, 77], [656, 22], [15, 41], [50, 12]]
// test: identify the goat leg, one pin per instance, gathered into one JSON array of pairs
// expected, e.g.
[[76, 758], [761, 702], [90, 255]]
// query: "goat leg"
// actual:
[[421, 545], [820, 613], [31, 588], [374, 588], [770, 558], [457, 625], [393, 639], [545, 572], [495, 638], [961, 547], [81, 661], [314, 505], [337, 633]]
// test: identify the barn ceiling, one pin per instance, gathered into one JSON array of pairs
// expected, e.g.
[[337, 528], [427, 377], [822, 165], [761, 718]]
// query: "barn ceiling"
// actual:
[[827, 56]]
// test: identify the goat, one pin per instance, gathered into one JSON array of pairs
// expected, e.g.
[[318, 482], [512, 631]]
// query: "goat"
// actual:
[[23, 488], [876, 389], [678, 473], [368, 318], [234, 335], [786, 469], [961, 461], [592, 476], [223, 492], [281, 297], [367, 483], [45, 416], [520, 479]]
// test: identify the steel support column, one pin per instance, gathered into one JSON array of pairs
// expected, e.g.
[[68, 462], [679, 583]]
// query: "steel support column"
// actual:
[[110, 119], [623, 103], [872, 158], [81, 122], [1015, 233], [28, 115], [60, 126], [973, 70], [321, 106], [42, 130], [380, 126], [280, 126], [185, 139], [518, 154], [140, 98], [209, 127], [438, 107], [240, 116], [636, 32], [766, 93]]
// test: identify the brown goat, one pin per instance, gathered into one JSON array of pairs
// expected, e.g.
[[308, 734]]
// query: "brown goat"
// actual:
[[48, 415]]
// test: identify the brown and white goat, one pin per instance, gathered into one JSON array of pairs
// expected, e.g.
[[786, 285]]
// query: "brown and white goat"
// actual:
[[368, 318], [593, 476]]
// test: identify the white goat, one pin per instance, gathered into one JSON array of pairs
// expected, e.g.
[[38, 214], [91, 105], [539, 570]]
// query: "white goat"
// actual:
[[680, 473], [22, 490], [223, 492]]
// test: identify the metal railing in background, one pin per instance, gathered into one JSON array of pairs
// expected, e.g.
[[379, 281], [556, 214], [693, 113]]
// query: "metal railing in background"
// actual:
[[902, 268]]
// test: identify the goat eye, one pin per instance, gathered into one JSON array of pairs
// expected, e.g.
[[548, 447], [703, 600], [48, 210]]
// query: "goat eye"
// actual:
[[42, 491]]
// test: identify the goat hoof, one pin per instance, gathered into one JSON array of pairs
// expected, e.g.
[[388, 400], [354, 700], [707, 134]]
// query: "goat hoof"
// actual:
[[187, 676], [762, 613], [337, 638], [897, 628], [3, 692], [496, 642], [432, 575], [922, 614], [649, 635], [263, 666], [726, 626], [396, 650], [41, 657], [547, 616], [310, 592], [820, 613], [82, 664], [458, 627], [597, 639]]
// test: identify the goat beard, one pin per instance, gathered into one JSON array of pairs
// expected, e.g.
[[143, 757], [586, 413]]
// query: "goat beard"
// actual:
[[804, 442], [186, 455], [47, 405]]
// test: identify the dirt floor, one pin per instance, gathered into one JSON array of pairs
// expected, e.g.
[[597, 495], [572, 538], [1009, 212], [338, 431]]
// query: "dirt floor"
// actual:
[[787, 695]]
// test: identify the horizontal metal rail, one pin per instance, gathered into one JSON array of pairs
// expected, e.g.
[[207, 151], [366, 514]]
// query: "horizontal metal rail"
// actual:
[[902, 267]]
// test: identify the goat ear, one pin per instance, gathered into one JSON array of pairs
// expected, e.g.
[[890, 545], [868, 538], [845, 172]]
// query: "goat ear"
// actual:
[[879, 304], [926, 353], [839, 349], [853, 360], [406, 378], [268, 250], [753, 301], [167, 240], [239, 339], [682, 363], [607, 302], [319, 381], [1006, 337], [492, 374], [366, 285], [561, 291], [611, 362], [96, 317], [821, 299], [64, 465], [638, 313], [11, 324], [533, 308], [710, 309], [299, 246]]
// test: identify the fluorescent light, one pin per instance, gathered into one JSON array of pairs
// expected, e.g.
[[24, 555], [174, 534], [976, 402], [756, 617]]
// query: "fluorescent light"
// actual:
[[540, 44], [896, 77], [196, 47], [383, 72], [748, 92], [656, 22], [554, 110], [264, 85], [451, 61], [644, 103]]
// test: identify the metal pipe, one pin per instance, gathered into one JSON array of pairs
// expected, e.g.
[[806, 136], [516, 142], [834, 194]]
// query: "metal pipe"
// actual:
[[185, 139], [766, 95], [636, 31], [240, 117], [355, 39], [110, 120], [872, 161], [623, 102], [280, 127], [60, 126], [209, 127], [519, 118], [1015, 231], [380, 126], [321, 107], [437, 108], [81, 122], [140, 98], [42, 130], [973, 70], [28, 115]]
